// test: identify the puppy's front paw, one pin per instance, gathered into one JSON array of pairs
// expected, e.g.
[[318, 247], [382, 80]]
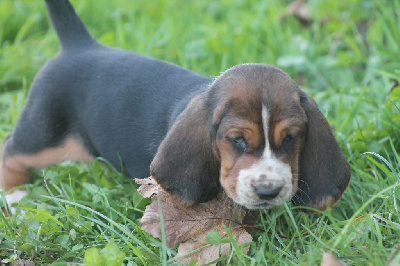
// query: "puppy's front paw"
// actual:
[[14, 197]]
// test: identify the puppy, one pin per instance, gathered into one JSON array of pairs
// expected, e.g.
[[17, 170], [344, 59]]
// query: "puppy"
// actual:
[[251, 130]]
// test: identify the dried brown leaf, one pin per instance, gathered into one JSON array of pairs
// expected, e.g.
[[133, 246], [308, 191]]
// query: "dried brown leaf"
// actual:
[[182, 224], [210, 253], [148, 187], [188, 226], [300, 10]]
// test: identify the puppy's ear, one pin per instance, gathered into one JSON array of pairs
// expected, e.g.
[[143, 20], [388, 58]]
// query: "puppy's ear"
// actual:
[[185, 164], [324, 172]]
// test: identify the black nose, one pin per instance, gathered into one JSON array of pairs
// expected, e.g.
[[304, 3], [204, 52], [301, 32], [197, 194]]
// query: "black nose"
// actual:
[[268, 193]]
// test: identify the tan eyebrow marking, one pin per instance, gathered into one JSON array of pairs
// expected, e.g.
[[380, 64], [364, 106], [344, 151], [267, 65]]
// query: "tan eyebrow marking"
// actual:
[[284, 127], [280, 130]]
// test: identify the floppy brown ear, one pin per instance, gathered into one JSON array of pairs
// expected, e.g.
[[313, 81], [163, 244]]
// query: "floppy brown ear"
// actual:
[[185, 164], [324, 172]]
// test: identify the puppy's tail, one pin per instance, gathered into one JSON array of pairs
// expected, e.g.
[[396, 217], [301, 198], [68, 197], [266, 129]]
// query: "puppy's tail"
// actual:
[[70, 29]]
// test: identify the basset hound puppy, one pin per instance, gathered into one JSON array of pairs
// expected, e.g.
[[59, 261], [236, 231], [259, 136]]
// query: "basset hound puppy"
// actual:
[[251, 131]]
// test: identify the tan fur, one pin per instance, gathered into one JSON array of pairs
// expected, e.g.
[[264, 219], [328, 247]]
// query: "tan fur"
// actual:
[[15, 170]]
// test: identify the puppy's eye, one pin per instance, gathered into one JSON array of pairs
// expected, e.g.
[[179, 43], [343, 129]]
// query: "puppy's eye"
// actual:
[[239, 144], [287, 143]]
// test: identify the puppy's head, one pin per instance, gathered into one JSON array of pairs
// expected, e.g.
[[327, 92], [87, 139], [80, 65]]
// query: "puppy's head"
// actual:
[[255, 133]]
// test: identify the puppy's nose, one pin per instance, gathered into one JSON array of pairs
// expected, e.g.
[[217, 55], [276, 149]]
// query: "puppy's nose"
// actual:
[[268, 193]]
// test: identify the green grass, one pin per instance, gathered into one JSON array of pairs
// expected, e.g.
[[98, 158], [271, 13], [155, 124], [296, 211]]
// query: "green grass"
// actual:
[[346, 58]]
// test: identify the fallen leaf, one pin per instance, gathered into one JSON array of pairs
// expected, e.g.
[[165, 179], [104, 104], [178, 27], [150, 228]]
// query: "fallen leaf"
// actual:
[[300, 10], [148, 187], [188, 226], [212, 252], [182, 224]]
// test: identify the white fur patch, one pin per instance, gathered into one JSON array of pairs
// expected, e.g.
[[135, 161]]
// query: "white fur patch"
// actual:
[[15, 197], [268, 172]]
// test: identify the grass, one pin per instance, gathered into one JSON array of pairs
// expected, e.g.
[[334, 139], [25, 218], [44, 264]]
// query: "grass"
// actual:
[[347, 58]]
